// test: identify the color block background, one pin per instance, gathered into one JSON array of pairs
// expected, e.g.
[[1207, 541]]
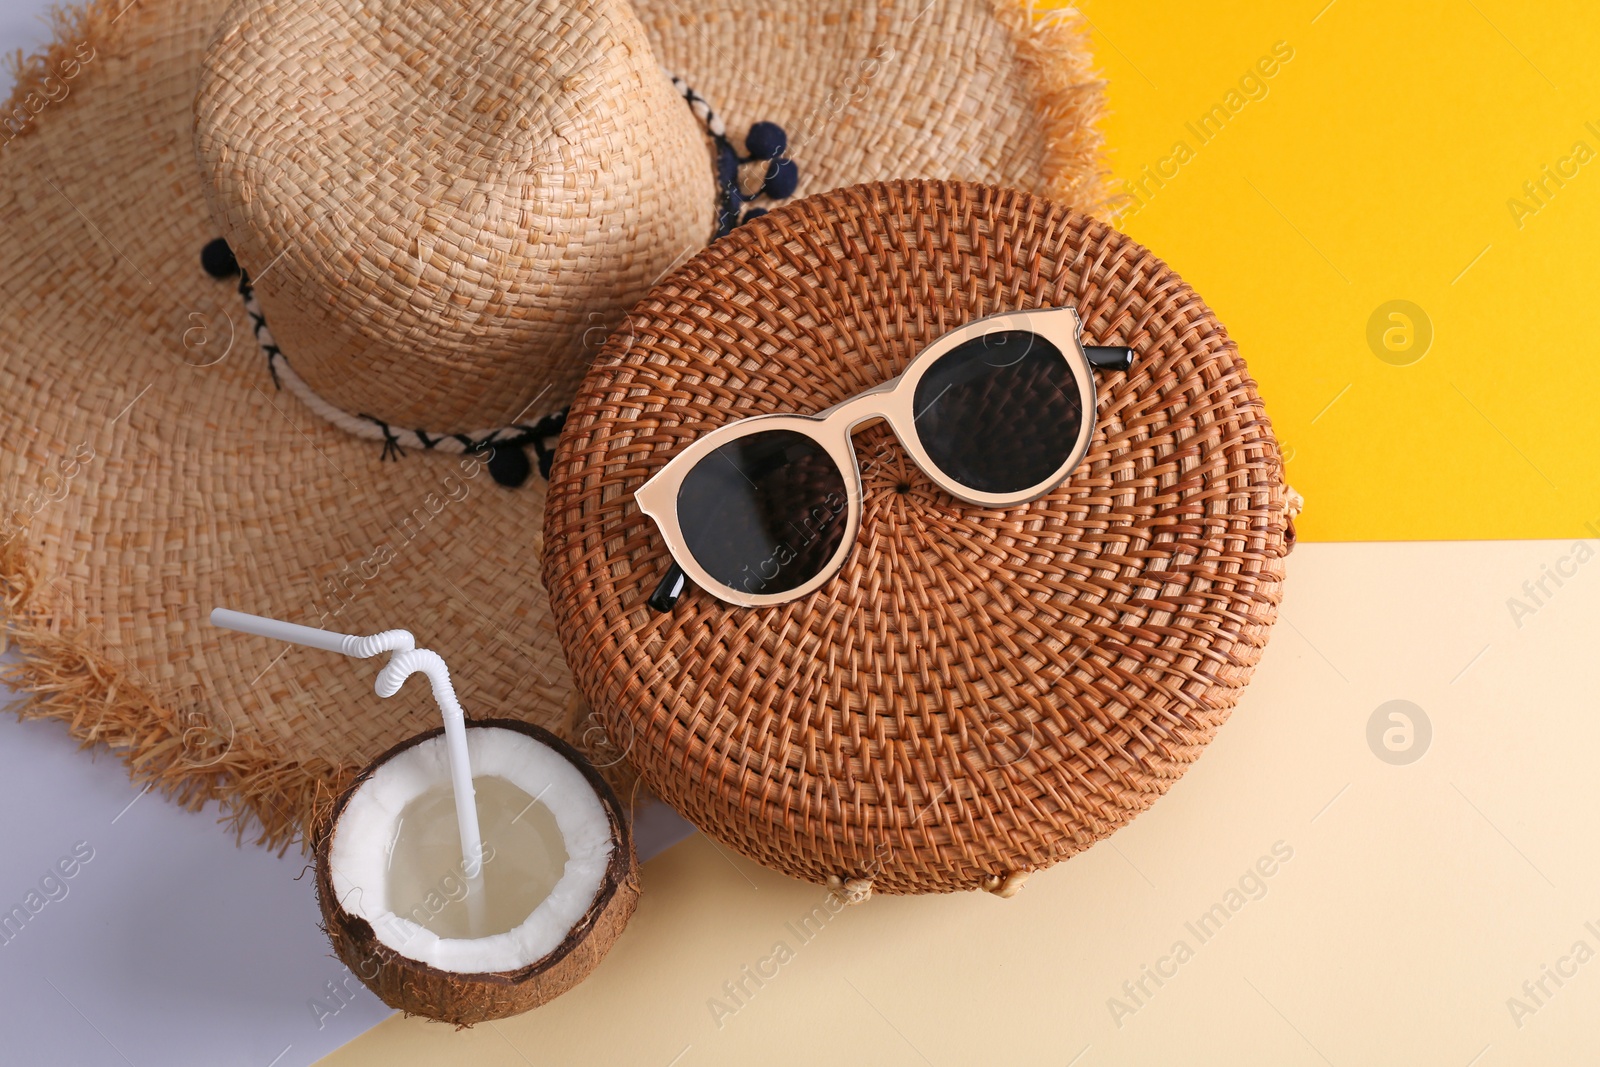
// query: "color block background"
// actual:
[[1389, 159], [1422, 901]]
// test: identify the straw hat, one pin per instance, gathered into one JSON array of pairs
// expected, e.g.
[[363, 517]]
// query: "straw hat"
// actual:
[[441, 210]]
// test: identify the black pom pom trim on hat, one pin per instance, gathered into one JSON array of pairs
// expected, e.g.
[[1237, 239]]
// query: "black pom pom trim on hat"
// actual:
[[508, 459], [765, 141], [218, 260], [782, 179], [508, 465]]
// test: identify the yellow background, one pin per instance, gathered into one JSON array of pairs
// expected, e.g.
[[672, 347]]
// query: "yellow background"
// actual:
[[1378, 167]]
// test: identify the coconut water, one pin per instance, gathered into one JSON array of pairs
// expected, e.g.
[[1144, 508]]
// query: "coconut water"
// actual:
[[523, 859]]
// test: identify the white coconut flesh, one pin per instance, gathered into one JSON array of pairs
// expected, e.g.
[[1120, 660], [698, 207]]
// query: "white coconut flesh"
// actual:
[[369, 828]]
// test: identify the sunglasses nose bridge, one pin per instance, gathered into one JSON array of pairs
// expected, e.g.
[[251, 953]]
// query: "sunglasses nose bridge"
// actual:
[[862, 408], [879, 404]]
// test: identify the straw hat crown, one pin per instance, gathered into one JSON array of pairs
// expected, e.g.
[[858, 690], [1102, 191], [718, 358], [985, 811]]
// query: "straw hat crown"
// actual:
[[442, 204]]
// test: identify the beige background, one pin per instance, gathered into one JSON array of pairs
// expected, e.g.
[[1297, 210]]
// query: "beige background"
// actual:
[[1418, 898]]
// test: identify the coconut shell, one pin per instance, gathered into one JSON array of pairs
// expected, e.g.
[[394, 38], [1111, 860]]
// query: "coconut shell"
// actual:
[[464, 999]]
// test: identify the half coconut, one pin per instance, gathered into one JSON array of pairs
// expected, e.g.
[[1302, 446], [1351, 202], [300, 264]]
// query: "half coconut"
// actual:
[[558, 881]]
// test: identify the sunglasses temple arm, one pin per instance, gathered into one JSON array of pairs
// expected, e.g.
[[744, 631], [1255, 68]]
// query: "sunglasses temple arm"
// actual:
[[669, 589], [1109, 357]]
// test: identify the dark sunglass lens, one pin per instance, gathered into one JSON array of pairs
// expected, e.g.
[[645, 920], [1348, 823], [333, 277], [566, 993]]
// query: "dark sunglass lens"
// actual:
[[999, 413], [764, 513]]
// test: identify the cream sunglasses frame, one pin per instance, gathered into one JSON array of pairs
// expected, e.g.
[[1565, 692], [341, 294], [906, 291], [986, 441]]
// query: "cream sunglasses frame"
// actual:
[[834, 429]]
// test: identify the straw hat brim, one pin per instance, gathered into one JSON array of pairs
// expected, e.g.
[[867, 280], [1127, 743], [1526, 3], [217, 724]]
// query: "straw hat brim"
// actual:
[[150, 470]]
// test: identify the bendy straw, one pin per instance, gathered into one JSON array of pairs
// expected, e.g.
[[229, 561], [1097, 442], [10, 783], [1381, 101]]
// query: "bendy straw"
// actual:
[[406, 660]]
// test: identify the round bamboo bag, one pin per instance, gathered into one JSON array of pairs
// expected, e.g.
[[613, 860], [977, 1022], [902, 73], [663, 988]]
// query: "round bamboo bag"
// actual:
[[978, 693]]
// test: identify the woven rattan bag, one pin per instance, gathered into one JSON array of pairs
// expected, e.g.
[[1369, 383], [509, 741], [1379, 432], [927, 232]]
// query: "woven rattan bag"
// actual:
[[979, 692]]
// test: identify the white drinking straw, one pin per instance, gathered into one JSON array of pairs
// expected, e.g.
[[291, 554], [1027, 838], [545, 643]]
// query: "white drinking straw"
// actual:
[[406, 661]]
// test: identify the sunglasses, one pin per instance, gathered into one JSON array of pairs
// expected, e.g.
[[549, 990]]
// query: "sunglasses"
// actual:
[[765, 510]]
